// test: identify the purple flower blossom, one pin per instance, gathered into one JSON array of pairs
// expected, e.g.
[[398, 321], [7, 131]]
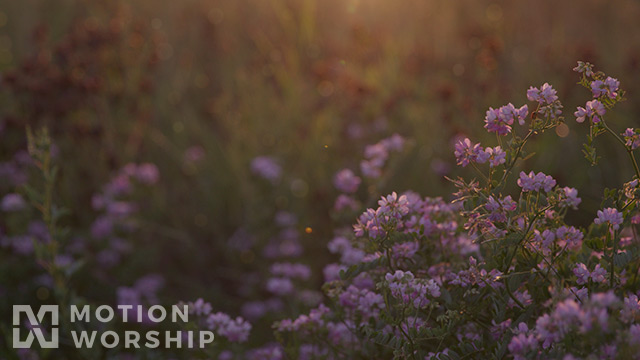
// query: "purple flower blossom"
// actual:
[[610, 216], [500, 120], [12, 202], [632, 138], [377, 153], [634, 334], [466, 152], [370, 169], [535, 182], [291, 271], [268, 352], [499, 329], [496, 156], [346, 181], [570, 237], [199, 307], [630, 309], [193, 154], [522, 344], [119, 185], [584, 68], [545, 95], [394, 206], [331, 272], [120, 209], [102, 227], [147, 173], [394, 143], [410, 290], [285, 218], [569, 197], [543, 241], [599, 274], [352, 256], [593, 109], [369, 223], [607, 87], [365, 303], [339, 244], [280, 286], [235, 330], [499, 209], [267, 168], [494, 122], [582, 274], [404, 250], [149, 285]]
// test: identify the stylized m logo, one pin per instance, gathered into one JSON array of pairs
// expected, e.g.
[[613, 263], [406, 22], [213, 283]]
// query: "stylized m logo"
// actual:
[[34, 325]]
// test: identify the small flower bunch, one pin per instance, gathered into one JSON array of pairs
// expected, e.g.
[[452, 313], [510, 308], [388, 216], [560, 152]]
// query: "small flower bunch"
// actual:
[[233, 330], [500, 120], [491, 274], [467, 153], [266, 167], [606, 93], [376, 155]]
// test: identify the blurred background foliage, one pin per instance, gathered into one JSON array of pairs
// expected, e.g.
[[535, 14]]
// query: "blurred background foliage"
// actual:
[[308, 82]]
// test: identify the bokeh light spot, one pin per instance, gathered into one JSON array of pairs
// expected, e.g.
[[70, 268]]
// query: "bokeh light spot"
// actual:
[[562, 130]]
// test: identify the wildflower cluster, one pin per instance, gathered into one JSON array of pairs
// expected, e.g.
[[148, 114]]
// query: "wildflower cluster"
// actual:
[[489, 275], [375, 156], [234, 330], [498, 271]]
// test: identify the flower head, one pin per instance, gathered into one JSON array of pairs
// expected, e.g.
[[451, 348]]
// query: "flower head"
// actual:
[[593, 109], [12, 202], [610, 216], [632, 138], [545, 95], [584, 68], [582, 274], [346, 181], [466, 152], [267, 168], [536, 182], [496, 156], [607, 87]]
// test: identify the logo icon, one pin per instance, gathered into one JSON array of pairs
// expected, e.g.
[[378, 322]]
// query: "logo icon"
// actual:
[[35, 326]]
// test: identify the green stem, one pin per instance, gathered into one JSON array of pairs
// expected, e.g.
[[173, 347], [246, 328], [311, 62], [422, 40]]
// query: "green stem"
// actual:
[[613, 254], [629, 151], [515, 159], [480, 172], [413, 346], [511, 295], [524, 236]]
